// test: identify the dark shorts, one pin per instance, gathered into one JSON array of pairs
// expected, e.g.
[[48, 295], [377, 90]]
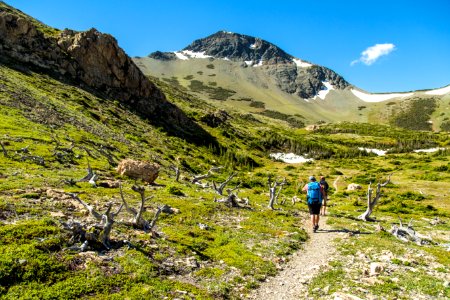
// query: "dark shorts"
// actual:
[[314, 209]]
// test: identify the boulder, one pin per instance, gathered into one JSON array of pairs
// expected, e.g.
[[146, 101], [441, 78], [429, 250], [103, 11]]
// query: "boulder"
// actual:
[[354, 187], [136, 169]]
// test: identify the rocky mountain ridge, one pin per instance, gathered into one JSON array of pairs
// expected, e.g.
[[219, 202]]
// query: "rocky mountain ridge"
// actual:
[[292, 75], [92, 59]]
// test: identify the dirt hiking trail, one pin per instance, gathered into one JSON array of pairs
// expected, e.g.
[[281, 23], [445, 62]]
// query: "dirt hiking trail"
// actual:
[[292, 282]]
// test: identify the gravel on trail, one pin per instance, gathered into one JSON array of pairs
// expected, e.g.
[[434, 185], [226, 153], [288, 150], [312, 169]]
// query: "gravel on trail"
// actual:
[[292, 282]]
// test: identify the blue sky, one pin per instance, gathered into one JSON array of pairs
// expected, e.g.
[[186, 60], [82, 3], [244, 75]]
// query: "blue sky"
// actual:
[[413, 37]]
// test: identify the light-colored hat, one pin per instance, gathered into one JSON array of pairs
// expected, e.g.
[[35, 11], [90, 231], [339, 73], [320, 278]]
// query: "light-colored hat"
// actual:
[[312, 178]]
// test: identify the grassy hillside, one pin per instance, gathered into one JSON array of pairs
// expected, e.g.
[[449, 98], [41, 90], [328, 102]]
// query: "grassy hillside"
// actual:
[[231, 85], [50, 131]]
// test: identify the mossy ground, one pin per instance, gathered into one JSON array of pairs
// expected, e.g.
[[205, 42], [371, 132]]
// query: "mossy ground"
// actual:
[[42, 118]]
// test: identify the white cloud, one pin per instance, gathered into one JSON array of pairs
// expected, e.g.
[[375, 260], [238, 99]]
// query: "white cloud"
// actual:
[[373, 53]]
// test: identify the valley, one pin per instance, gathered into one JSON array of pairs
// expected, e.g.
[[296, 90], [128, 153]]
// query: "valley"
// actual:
[[213, 122]]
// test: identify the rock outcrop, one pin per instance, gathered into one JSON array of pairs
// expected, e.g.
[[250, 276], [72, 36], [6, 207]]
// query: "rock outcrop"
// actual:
[[146, 171], [102, 64], [94, 61], [354, 187]]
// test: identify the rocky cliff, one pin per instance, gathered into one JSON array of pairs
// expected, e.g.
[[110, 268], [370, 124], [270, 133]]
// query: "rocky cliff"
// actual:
[[93, 60], [292, 75]]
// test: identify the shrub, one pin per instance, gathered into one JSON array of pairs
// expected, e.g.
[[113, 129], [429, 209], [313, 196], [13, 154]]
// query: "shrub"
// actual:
[[174, 190]]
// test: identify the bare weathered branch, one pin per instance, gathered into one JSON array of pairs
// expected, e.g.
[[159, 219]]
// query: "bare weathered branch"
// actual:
[[407, 234], [91, 177], [273, 193], [155, 218], [371, 202], [219, 190], [177, 171], [197, 178], [89, 208], [5, 153]]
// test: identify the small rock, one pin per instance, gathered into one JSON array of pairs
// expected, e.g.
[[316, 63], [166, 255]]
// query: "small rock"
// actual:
[[110, 184], [376, 268], [57, 214]]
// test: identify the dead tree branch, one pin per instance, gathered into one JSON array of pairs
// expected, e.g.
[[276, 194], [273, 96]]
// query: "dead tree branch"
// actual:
[[91, 177], [232, 200], [197, 178], [177, 171], [219, 189], [371, 202], [5, 153], [408, 234], [138, 221], [98, 233], [273, 193]]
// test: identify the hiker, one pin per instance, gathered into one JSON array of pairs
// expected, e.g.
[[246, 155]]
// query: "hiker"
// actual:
[[325, 187], [314, 196]]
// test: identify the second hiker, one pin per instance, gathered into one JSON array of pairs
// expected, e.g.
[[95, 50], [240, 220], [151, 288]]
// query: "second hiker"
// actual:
[[325, 187]]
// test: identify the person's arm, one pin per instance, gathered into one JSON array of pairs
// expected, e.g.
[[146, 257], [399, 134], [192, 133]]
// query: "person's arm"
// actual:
[[305, 188]]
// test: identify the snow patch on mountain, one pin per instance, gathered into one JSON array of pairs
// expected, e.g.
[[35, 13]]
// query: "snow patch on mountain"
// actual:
[[378, 97], [290, 158], [252, 46], [376, 151], [187, 54], [325, 90], [181, 56], [430, 150], [440, 92], [259, 64], [301, 64]]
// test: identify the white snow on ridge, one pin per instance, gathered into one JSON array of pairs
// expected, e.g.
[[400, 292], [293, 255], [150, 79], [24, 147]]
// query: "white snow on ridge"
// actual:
[[378, 97], [196, 54], [259, 64], [249, 62], [430, 150], [290, 158], [441, 91], [252, 46], [301, 64], [323, 93], [376, 151], [181, 56]]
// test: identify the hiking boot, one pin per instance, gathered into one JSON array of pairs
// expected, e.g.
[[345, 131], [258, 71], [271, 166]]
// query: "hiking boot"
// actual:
[[316, 227]]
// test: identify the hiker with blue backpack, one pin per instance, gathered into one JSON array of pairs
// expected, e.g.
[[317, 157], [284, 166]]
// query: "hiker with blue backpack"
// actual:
[[314, 195]]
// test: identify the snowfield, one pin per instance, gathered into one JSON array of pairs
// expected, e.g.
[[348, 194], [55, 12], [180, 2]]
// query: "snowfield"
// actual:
[[290, 158], [440, 92], [187, 54], [301, 64], [376, 151], [378, 97], [323, 93]]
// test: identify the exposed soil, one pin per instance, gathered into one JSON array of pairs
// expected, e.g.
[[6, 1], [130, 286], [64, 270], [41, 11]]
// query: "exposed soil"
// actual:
[[292, 281]]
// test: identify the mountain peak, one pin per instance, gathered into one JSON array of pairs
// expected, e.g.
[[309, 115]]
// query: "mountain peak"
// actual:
[[239, 47]]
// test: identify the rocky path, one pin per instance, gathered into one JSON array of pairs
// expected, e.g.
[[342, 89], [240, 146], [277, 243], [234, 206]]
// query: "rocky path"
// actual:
[[292, 281]]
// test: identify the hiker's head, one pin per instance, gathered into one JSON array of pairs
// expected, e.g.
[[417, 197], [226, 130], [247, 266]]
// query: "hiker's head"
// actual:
[[312, 178], [322, 177]]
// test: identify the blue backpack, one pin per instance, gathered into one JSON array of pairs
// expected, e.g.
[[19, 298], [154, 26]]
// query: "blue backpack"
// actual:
[[314, 195]]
